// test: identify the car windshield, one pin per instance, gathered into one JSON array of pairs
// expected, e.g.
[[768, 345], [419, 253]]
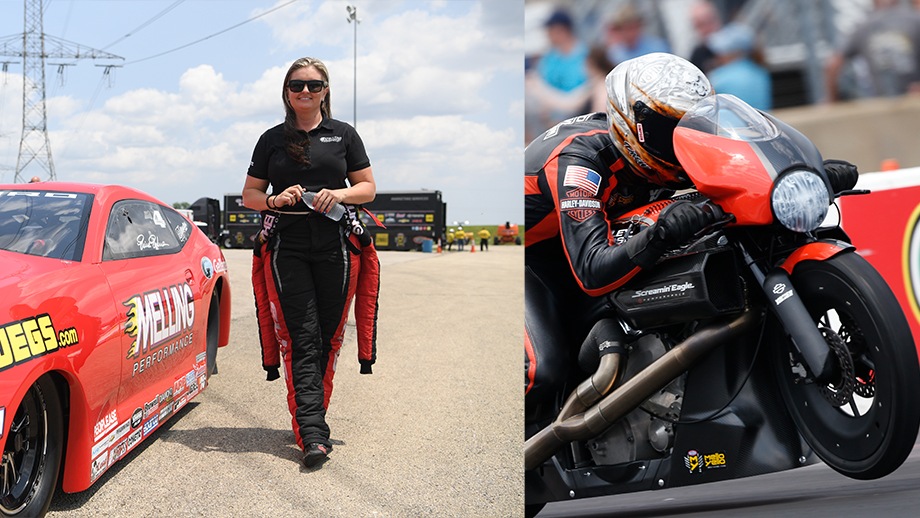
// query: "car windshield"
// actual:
[[44, 223], [727, 116]]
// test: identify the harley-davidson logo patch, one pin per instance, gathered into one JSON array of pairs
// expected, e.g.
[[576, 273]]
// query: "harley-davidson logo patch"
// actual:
[[580, 209]]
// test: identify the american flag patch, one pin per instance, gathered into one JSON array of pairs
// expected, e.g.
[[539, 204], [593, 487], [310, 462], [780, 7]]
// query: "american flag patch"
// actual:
[[583, 178]]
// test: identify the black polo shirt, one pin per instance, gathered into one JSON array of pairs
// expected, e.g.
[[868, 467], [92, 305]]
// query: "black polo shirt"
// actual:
[[335, 150]]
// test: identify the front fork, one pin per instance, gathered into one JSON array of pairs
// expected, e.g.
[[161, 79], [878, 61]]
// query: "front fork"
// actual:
[[789, 308]]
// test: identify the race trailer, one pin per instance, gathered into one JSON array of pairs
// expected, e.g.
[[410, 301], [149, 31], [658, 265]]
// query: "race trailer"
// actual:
[[240, 223], [410, 219]]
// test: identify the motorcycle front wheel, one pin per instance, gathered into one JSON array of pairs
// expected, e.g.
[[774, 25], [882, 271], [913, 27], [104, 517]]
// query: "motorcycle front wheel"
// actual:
[[864, 423]]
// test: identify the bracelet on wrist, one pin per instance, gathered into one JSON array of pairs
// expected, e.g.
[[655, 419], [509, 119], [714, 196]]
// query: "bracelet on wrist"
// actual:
[[268, 202]]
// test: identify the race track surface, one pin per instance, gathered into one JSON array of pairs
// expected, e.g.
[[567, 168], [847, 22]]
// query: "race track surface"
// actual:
[[814, 491], [436, 430]]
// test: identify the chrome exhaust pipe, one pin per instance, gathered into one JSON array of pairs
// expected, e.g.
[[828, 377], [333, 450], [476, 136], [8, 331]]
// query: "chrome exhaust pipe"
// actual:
[[593, 388], [596, 419]]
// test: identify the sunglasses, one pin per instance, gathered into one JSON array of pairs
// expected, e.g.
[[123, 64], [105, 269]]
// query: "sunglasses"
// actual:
[[313, 86]]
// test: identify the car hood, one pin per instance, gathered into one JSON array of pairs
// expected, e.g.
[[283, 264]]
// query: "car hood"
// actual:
[[21, 270]]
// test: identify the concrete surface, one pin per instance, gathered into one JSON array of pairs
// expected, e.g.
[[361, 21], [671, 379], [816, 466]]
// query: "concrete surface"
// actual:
[[435, 431]]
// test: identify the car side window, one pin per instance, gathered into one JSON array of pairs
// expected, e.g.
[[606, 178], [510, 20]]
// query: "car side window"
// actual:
[[180, 225], [140, 229]]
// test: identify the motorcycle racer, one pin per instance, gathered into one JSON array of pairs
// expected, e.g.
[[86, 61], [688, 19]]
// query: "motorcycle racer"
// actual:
[[585, 172]]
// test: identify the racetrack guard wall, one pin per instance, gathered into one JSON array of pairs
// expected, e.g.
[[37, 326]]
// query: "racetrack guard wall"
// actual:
[[884, 227]]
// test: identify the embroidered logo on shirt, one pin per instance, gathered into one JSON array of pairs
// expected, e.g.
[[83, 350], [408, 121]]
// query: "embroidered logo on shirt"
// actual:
[[331, 139]]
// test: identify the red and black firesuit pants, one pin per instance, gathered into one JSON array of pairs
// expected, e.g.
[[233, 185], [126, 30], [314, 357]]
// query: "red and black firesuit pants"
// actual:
[[304, 278]]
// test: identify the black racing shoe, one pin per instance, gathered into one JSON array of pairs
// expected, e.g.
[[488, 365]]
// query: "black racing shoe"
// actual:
[[315, 454]]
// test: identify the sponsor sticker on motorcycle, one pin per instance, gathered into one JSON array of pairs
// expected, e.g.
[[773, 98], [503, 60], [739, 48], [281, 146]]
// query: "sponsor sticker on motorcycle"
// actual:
[[697, 462]]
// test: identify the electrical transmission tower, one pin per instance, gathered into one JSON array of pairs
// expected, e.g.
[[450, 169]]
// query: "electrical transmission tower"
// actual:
[[36, 46]]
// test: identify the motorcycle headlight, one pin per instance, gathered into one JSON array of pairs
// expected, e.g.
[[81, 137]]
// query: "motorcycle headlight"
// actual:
[[800, 200]]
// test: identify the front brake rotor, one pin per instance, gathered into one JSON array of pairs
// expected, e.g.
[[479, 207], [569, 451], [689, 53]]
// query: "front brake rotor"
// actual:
[[841, 391]]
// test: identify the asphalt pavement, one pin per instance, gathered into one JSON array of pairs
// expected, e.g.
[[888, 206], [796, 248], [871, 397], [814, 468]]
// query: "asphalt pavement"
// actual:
[[436, 430]]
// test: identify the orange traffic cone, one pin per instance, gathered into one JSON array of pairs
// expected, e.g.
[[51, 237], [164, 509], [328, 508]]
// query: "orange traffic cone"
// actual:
[[439, 247], [890, 164], [472, 247]]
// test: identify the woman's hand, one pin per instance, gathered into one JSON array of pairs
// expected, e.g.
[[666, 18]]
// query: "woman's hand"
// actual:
[[289, 196], [326, 198]]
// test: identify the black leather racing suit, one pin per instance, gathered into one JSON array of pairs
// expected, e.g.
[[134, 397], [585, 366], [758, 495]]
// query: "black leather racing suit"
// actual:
[[576, 182]]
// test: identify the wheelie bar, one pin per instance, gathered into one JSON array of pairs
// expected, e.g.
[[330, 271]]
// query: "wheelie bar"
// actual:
[[600, 416], [798, 324]]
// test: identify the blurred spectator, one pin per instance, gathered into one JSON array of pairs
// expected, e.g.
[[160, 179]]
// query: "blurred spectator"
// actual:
[[735, 72], [626, 36], [590, 97], [563, 66], [884, 52], [559, 74], [706, 20]]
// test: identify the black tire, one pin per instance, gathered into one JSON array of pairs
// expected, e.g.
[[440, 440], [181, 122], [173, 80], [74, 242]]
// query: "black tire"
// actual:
[[32, 453], [872, 433], [213, 335]]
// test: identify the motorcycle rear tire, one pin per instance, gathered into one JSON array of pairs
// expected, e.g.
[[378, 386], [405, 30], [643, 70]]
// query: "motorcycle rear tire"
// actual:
[[847, 295]]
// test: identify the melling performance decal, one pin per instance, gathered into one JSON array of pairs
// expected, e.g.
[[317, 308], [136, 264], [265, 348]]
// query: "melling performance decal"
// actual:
[[31, 337], [697, 462], [160, 321]]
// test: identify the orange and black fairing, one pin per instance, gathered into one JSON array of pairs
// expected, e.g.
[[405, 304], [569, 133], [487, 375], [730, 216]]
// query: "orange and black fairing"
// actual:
[[738, 173]]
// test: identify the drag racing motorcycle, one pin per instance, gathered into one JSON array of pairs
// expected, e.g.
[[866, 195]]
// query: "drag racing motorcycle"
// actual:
[[765, 344]]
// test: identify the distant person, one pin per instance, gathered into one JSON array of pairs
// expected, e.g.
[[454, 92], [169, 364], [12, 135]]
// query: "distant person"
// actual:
[[35, 179], [460, 236], [563, 65], [706, 20], [559, 73], [627, 37], [450, 239], [305, 265], [590, 97], [484, 236], [882, 55], [735, 71]]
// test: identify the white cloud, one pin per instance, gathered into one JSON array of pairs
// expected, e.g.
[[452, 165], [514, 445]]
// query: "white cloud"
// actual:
[[438, 106]]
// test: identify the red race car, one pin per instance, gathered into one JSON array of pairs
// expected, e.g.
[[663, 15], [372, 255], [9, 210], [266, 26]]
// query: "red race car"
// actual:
[[112, 307]]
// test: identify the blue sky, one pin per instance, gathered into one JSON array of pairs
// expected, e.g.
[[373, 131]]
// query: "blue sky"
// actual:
[[439, 93]]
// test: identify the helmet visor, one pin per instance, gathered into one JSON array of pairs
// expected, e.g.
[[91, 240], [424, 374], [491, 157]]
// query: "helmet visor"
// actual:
[[655, 132]]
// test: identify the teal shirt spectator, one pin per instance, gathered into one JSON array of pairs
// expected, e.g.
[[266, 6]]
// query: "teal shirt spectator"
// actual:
[[746, 80], [564, 72]]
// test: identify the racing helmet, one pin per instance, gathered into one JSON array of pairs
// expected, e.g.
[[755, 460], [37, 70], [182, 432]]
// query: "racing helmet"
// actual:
[[646, 97]]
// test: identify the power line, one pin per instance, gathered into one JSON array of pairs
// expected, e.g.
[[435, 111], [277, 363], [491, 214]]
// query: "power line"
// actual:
[[212, 35], [145, 24]]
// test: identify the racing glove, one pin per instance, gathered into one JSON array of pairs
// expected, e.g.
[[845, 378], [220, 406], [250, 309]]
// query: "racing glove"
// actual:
[[842, 175], [676, 224], [366, 366], [271, 373]]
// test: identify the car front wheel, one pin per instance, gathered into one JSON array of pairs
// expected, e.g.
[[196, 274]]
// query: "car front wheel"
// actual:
[[32, 453]]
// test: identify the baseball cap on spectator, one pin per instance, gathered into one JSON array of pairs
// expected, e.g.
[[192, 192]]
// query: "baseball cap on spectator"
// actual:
[[731, 39], [559, 17]]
